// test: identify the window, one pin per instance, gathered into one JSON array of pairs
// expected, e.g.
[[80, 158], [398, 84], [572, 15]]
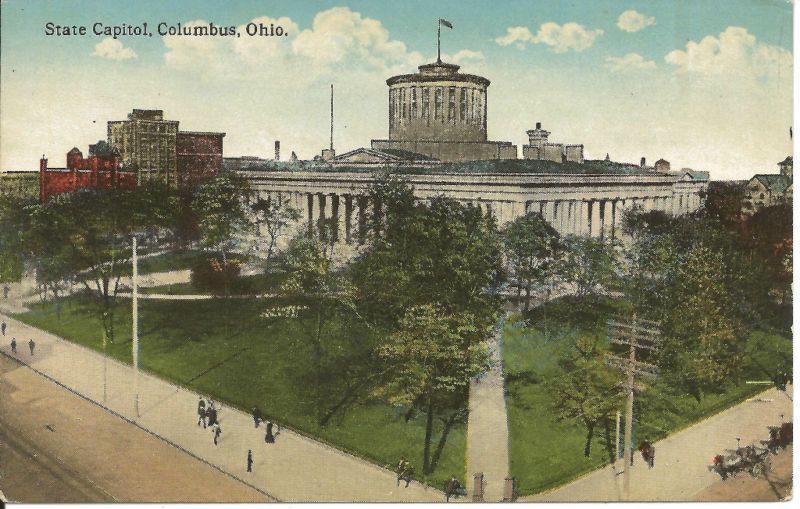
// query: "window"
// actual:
[[451, 105], [438, 104], [426, 102], [414, 102], [463, 106]]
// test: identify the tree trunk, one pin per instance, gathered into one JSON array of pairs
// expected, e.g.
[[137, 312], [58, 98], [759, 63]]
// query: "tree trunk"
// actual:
[[607, 434], [589, 432], [527, 298], [448, 425], [426, 455]]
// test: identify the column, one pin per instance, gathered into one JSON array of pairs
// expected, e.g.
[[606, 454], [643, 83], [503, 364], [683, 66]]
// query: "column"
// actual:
[[336, 217], [594, 222], [310, 209], [348, 218], [363, 202]]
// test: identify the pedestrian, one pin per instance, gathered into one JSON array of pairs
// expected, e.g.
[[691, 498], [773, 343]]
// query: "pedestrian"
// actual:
[[217, 432], [31, 345], [4, 328], [5, 292], [404, 471], [256, 416], [249, 460], [452, 489], [211, 413], [201, 412], [269, 437], [14, 346]]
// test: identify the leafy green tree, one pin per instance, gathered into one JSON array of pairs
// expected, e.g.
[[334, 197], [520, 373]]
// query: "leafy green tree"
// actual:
[[589, 263], [13, 224], [86, 237], [532, 248], [221, 211], [430, 360], [724, 201], [587, 390], [322, 292], [276, 216], [770, 355]]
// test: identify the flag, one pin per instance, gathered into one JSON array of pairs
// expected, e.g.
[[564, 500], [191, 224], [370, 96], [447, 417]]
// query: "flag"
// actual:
[[445, 23]]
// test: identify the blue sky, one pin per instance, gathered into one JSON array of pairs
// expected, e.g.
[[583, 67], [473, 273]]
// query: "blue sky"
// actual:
[[636, 91]]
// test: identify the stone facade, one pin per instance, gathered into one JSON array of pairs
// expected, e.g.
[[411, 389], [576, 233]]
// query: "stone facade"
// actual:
[[540, 149], [574, 204]]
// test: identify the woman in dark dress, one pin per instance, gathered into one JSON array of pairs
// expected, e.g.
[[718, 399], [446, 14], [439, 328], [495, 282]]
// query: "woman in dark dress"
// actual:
[[269, 437]]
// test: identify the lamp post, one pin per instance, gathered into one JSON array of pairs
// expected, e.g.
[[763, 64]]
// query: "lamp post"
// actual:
[[135, 326]]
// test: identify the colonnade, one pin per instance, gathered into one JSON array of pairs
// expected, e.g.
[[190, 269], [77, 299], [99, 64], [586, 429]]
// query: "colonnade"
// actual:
[[346, 216]]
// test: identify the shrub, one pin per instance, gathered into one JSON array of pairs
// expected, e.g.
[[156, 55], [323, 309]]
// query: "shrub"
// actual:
[[214, 276]]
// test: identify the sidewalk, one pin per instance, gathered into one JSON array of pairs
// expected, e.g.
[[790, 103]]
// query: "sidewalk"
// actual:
[[487, 429], [681, 461], [295, 468]]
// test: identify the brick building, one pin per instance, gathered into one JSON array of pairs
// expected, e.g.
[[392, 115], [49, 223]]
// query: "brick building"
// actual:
[[198, 157], [101, 170]]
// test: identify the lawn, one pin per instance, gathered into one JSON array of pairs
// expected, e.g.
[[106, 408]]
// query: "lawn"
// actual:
[[223, 348], [256, 284], [174, 260], [546, 453]]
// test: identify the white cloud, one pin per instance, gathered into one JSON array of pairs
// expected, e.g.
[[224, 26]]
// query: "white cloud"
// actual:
[[515, 34], [735, 52], [629, 62], [560, 38], [632, 21], [113, 50]]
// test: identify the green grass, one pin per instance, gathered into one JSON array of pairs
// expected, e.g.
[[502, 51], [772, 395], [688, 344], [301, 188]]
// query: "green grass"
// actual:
[[224, 349], [256, 284], [546, 453]]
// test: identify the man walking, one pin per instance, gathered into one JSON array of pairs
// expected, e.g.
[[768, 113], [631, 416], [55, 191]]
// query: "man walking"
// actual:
[[249, 460], [5, 292], [31, 345], [217, 433], [14, 346], [256, 415], [4, 328], [201, 412], [269, 437]]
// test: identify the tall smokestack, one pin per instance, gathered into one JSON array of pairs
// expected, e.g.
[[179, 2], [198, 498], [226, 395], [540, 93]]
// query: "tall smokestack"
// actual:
[[277, 150], [642, 163], [538, 125]]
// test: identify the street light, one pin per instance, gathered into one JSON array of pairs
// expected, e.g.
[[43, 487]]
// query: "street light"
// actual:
[[135, 326]]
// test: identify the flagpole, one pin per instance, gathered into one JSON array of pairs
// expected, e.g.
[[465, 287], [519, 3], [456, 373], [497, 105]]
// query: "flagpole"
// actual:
[[439, 42]]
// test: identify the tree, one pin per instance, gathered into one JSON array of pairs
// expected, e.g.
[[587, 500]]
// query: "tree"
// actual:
[[589, 263], [587, 390], [430, 360], [275, 215], [219, 205], [532, 248], [724, 201], [86, 236], [314, 284]]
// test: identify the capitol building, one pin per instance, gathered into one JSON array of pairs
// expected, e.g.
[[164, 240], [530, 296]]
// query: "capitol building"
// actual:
[[437, 138]]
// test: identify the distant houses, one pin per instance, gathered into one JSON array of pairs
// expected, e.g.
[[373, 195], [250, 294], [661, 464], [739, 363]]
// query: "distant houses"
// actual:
[[766, 189]]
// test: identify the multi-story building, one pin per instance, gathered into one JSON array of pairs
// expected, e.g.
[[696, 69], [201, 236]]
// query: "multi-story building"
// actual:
[[198, 157], [766, 189], [146, 144], [100, 170]]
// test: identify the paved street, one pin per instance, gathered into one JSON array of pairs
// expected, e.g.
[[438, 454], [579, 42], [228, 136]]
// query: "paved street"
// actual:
[[681, 460], [295, 468], [58, 447], [487, 430]]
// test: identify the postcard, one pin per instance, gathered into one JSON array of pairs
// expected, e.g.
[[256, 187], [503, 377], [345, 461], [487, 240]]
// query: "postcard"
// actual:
[[359, 251]]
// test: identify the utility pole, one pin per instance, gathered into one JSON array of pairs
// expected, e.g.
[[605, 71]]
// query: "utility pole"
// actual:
[[331, 116], [135, 326], [635, 334]]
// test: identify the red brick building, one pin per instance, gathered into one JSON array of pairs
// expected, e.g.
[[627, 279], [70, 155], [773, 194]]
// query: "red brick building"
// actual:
[[98, 171], [198, 157]]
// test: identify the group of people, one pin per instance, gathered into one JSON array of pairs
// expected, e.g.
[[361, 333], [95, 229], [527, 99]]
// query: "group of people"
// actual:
[[31, 342], [258, 418], [207, 416]]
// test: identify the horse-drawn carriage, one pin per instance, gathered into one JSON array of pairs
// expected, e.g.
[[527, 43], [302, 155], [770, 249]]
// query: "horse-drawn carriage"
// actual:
[[753, 459]]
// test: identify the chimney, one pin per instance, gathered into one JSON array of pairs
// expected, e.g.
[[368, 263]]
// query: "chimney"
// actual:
[[643, 163], [538, 125], [277, 150]]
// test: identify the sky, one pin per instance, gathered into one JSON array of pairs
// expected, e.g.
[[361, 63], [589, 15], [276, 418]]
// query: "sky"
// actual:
[[702, 83]]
